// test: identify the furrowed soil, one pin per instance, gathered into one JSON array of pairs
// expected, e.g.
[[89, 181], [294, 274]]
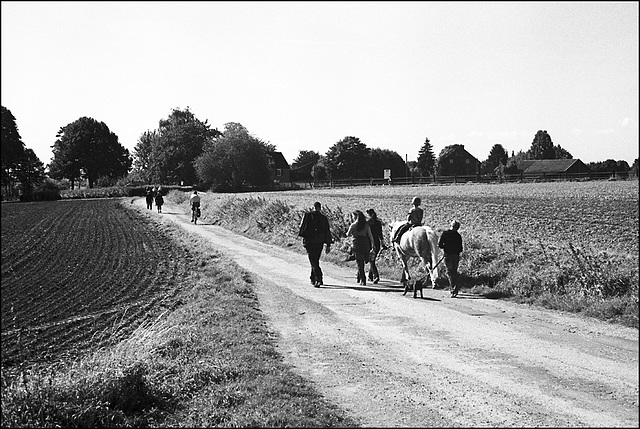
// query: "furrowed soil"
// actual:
[[87, 292], [394, 361]]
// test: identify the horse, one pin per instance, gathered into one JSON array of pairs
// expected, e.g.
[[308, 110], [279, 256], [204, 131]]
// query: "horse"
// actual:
[[419, 242]]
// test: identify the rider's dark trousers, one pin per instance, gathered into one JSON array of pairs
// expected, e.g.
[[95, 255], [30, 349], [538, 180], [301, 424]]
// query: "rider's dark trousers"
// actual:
[[314, 250]]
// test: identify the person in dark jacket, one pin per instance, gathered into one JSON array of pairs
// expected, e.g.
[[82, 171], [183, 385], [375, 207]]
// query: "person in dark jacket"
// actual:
[[149, 198], [451, 243], [315, 233], [159, 200], [378, 244]]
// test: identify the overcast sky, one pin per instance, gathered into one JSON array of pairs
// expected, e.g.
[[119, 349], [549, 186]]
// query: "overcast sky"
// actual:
[[304, 75]]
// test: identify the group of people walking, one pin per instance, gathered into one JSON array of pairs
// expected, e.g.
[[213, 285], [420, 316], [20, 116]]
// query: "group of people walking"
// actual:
[[367, 240], [154, 194]]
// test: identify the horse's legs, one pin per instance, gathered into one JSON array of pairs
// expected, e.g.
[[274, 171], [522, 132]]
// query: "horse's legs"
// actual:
[[406, 276], [427, 264], [404, 280]]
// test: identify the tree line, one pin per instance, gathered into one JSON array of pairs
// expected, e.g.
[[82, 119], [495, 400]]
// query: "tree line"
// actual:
[[351, 159], [185, 150], [22, 171]]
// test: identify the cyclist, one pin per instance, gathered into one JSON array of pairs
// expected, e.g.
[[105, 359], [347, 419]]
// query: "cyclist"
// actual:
[[194, 201]]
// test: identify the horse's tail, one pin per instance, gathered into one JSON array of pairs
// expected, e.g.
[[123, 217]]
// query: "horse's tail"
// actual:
[[435, 251]]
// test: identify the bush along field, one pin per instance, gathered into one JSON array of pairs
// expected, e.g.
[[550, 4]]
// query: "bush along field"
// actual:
[[570, 246], [113, 317]]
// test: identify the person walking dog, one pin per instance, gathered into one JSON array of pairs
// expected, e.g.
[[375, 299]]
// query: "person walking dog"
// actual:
[[451, 243]]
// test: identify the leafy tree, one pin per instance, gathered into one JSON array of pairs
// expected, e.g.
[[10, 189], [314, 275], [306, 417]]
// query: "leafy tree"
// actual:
[[320, 171], [426, 159], [143, 161], [12, 146], [634, 170], [609, 166], [234, 160], [347, 159], [29, 170], [19, 163], [497, 156], [561, 153], [88, 148], [237, 128], [13, 150], [65, 163], [181, 140], [542, 146], [303, 165], [514, 163], [382, 159], [413, 170], [622, 165]]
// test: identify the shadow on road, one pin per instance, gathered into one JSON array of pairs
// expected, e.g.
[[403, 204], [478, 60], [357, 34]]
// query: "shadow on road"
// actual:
[[462, 295], [372, 288]]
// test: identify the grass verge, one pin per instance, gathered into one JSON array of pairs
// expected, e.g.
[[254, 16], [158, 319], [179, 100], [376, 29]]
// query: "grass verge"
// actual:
[[209, 361]]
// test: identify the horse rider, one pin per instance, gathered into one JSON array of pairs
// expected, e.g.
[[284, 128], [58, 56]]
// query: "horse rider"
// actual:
[[451, 243], [414, 218]]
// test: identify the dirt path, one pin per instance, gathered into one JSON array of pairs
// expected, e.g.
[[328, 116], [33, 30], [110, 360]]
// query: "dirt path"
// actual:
[[393, 361]]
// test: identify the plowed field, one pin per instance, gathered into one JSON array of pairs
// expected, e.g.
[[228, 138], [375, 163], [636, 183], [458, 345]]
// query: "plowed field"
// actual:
[[79, 273]]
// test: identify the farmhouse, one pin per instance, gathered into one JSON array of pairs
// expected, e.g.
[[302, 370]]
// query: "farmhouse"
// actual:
[[279, 168], [454, 160], [550, 168]]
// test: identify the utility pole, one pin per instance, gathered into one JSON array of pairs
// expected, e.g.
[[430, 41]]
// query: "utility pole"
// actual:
[[406, 164]]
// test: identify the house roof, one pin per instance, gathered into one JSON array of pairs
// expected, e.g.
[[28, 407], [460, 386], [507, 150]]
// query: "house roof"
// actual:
[[278, 160], [450, 150], [547, 165]]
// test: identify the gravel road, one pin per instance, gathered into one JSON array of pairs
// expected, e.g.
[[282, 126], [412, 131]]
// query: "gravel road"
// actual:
[[394, 361]]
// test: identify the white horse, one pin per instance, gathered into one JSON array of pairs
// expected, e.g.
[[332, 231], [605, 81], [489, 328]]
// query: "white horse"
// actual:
[[419, 242]]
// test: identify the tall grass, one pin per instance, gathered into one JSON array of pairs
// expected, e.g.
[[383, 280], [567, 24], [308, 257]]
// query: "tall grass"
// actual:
[[102, 390], [564, 277]]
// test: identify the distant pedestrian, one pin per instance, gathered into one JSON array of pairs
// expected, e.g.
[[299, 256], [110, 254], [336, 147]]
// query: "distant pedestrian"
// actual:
[[194, 201], [378, 244], [315, 233], [149, 198], [159, 200], [362, 243], [451, 243]]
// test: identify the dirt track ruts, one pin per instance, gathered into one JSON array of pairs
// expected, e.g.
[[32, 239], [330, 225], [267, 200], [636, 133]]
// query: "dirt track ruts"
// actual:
[[392, 361]]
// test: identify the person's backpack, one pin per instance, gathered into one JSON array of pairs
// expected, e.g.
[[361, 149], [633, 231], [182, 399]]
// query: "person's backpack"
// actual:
[[310, 227]]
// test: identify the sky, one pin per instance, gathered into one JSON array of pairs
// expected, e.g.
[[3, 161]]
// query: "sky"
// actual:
[[305, 75]]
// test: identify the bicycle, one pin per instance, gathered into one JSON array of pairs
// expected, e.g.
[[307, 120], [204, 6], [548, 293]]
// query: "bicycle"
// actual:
[[195, 213]]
